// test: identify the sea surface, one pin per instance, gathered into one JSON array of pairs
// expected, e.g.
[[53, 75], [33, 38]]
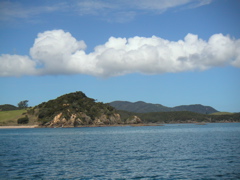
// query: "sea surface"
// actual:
[[176, 151]]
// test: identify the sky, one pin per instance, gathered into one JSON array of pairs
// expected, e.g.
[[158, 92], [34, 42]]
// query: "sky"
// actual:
[[169, 52]]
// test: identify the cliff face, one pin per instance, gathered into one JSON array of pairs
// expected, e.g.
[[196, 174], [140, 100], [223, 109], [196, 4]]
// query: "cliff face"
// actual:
[[76, 109], [81, 119]]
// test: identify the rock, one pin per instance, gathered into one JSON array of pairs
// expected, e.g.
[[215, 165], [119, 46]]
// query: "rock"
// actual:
[[106, 120], [82, 119], [133, 120]]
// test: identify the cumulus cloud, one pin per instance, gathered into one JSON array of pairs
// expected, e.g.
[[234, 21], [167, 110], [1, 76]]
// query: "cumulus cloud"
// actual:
[[55, 48], [15, 65], [58, 52]]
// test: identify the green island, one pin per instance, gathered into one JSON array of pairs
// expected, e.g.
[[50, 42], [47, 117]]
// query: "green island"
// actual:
[[78, 110]]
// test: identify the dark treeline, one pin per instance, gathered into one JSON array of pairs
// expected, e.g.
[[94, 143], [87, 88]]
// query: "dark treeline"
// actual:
[[181, 117]]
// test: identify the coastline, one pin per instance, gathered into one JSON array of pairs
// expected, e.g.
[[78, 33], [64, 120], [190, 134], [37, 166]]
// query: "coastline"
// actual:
[[18, 127], [112, 125]]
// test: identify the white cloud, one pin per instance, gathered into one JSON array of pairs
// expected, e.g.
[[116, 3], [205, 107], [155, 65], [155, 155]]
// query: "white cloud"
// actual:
[[15, 65], [58, 52], [54, 49]]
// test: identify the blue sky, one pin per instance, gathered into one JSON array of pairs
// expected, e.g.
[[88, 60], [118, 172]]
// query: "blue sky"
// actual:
[[170, 52]]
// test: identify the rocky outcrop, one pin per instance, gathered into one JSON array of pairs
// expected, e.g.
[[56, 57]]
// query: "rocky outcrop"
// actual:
[[108, 120], [81, 119], [133, 120]]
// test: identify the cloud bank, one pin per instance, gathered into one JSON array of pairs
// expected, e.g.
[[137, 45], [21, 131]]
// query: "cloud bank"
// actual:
[[58, 52]]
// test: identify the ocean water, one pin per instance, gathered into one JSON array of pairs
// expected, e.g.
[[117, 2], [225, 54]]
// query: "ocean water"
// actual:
[[177, 151]]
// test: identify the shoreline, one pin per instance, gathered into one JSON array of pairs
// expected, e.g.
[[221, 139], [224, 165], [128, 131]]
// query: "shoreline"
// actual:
[[18, 127], [112, 125]]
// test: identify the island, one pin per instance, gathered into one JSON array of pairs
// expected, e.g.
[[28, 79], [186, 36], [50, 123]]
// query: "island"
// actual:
[[77, 110]]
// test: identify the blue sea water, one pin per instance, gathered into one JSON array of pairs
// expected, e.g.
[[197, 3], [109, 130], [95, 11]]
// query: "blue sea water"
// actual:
[[176, 151]]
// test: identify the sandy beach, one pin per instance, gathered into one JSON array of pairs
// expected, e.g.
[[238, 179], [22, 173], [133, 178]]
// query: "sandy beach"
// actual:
[[17, 127]]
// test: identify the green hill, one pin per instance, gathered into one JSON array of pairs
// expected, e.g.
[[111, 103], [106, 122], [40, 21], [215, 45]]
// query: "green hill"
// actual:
[[8, 107], [138, 107], [75, 109], [142, 107]]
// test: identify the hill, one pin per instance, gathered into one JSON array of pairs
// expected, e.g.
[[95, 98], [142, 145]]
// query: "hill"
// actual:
[[7, 107], [142, 107], [198, 108], [138, 107], [76, 109]]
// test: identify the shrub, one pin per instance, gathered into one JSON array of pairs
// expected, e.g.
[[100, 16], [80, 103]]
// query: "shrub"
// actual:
[[23, 120]]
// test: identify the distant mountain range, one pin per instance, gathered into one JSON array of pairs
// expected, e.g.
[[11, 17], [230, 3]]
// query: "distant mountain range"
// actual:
[[143, 107]]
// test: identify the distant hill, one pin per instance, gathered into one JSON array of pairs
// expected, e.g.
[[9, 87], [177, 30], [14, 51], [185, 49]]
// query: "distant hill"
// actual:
[[142, 107], [8, 107], [138, 107], [198, 108]]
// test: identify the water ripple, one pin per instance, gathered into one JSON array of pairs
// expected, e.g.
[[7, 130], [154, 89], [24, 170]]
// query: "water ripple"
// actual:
[[162, 152]]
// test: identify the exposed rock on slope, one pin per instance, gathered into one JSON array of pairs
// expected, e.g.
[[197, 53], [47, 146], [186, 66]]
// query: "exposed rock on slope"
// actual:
[[81, 119], [75, 109], [133, 120]]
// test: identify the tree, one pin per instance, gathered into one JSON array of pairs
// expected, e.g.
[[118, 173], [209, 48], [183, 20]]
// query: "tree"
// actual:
[[23, 104], [23, 120]]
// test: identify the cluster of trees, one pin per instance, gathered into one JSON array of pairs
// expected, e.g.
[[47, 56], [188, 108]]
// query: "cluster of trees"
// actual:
[[23, 104]]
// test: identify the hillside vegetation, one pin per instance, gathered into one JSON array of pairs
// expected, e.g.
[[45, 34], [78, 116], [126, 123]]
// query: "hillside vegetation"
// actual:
[[187, 117], [76, 109], [182, 117], [222, 113], [142, 107]]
